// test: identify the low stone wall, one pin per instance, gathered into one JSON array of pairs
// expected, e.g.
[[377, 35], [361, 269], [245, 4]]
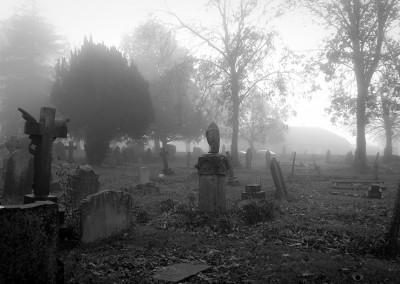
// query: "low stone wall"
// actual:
[[104, 214], [28, 240]]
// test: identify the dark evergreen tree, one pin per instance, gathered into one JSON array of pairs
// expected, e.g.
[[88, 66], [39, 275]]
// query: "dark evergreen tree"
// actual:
[[103, 95]]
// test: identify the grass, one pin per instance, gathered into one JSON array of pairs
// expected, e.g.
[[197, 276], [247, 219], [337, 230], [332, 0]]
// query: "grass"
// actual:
[[317, 238]]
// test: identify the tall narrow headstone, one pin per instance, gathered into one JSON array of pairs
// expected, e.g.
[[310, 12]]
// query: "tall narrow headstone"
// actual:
[[249, 157], [280, 186], [268, 159], [328, 156], [70, 148], [232, 180], [212, 169], [294, 161]]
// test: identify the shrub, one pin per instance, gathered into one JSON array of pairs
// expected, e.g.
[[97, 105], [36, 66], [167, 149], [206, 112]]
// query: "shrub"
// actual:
[[258, 211]]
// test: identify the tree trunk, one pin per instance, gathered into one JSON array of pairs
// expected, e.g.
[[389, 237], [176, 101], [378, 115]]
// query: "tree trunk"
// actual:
[[235, 121], [388, 151], [157, 147], [360, 162]]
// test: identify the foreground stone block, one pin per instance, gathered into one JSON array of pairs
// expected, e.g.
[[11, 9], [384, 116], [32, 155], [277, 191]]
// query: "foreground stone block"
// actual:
[[104, 214], [28, 239], [179, 271]]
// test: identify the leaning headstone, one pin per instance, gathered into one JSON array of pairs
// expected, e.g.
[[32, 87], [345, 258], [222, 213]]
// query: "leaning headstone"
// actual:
[[253, 191], [279, 182], [212, 169], [59, 151], [294, 161], [268, 157], [19, 173], [28, 243], [232, 180], [105, 214], [249, 157]]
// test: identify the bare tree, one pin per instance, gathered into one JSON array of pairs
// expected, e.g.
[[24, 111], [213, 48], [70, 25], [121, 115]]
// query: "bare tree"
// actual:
[[239, 48]]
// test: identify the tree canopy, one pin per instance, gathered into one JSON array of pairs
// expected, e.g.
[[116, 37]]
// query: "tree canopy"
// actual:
[[103, 95], [359, 32], [169, 69], [28, 50]]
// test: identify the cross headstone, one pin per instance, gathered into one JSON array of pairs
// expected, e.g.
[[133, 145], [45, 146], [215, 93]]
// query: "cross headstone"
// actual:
[[249, 157], [42, 135], [279, 182], [71, 149]]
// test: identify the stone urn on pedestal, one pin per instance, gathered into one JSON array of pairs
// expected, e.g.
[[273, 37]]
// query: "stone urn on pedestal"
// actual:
[[212, 169]]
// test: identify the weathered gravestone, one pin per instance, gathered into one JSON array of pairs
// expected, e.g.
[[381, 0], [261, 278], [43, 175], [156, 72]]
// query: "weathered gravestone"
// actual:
[[42, 135], [59, 151], [375, 191], [166, 170], [105, 214], [145, 185], [188, 156], [19, 173], [212, 169], [232, 180], [376, 167], [87, 183], [70, 148], [249, 157], [349, 157], [13, 144], [197, 152], [280, 186], [28, 243]]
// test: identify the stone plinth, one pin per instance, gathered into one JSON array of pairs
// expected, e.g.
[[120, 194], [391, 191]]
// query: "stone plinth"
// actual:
[[212, 169], [253, 191], [28, 243]]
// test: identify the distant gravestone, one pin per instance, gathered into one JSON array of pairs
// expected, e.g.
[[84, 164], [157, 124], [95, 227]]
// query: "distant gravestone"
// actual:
[[70, 148], [197, 152], [294, 161], [59, 151], [105, 214], [223, 149], [328, 156], [117, 156], [232, 180], [349, 157], [249, 157], [284, 150], [148, 155], [18, 178], [279, 182], [171, 150], [188, 156], [144, 175]]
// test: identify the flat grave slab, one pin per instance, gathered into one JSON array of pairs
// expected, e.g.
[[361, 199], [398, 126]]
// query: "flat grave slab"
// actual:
[[179, 271], [356, 184]]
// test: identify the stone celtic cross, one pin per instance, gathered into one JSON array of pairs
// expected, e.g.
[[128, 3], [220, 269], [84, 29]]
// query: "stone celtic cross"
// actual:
[[42, 135]]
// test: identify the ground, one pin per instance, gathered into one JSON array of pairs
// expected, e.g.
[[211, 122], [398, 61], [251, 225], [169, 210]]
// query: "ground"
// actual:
[[317, 237]]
